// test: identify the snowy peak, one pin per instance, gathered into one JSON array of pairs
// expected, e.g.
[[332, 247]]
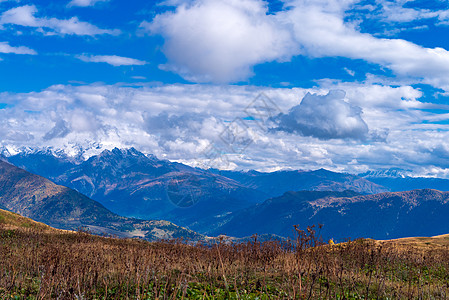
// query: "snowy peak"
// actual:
[[75, 155]]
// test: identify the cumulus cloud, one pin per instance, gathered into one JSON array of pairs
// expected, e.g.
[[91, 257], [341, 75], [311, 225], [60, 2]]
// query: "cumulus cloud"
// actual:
[[113, 60], [324, 33], [187, 131], [325, 117], [6, 48], [84, 3], [220, 41], [25, 16]]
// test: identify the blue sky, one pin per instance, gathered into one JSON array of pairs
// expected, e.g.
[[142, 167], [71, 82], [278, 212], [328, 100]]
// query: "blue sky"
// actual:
[[356, 85]]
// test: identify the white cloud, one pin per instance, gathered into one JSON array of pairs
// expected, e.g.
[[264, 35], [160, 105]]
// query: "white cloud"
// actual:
[[220, 41], [25, 16], [325, 34], [139, 77], [325, 117], [178, 121], [84, 3], [398, 13], [112, 60], [6, 48], [350, 72]]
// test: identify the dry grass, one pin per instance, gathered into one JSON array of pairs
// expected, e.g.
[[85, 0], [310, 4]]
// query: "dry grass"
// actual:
[[36, 264], [425, 243], [10, 220]]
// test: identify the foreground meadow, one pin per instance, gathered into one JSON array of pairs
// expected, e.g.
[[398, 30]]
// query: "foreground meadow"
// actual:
[[37, 262]]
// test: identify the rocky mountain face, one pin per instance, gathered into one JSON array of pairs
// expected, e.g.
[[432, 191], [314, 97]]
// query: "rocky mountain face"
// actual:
[[40, 199], [380, 216]]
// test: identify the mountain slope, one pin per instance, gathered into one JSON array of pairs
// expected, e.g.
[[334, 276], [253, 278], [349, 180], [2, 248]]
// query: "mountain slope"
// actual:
[[38, 198], [10, 220], [379, 216], [434, 242], [276, 215]]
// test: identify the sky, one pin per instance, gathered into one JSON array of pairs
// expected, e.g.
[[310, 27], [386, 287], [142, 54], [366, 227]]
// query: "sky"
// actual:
[[345, 85]]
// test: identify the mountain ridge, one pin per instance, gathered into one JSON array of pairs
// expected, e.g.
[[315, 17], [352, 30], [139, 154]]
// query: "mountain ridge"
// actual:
[[137, 185], [276, 183], [380, 216], [40, 199]]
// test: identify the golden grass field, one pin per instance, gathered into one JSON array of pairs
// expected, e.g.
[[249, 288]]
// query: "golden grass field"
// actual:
[[39, 262]]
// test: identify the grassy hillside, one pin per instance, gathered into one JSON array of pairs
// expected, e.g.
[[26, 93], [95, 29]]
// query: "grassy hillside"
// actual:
[[15, 221], [47, 264], [435, 242]]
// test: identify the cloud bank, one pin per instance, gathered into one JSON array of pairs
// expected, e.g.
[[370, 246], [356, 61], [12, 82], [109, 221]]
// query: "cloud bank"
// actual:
[[179, 122]]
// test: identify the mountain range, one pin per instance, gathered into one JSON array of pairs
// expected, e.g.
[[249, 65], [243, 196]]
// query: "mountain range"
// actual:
[[346, 215], [277, 183], [132, 184], [396, 180], [40, 199], [242, 203]]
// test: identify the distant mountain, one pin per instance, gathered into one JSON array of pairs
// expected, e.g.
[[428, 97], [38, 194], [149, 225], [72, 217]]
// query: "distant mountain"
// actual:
[[39, 199], [215, 202], [43, 161], [379, 216], [133, 184], [136, 185], [277, 183], [409, 183], [397, 180]]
